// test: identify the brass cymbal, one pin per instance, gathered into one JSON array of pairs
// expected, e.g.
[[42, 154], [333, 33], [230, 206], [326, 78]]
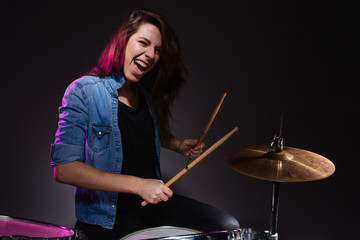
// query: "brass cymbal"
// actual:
[[289, 165]]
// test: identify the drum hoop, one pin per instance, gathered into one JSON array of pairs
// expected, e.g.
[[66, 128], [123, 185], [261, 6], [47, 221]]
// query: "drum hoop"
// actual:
[[235, 234], [26, 220]]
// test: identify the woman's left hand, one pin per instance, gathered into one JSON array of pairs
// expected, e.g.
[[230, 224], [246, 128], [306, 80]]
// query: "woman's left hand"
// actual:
[[189, 149]]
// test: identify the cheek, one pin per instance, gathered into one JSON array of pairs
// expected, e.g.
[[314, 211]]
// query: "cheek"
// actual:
[[156, 62], [129, 52], [157, 58]]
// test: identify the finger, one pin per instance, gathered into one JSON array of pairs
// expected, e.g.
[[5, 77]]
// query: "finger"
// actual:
[[200, 147], [193, 156], [196, 150], [156, 198], [163, 197], [152, 201], [168, 192], [190, 142], [164, 193]]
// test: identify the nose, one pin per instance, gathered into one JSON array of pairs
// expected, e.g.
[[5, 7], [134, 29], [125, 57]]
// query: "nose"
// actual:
[[150, 53]]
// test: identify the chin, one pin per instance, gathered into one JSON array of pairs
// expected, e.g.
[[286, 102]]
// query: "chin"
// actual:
[[132, 78]]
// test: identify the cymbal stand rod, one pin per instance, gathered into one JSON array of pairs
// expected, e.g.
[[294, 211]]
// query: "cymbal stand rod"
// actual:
[[274, 210], [278, 142], [281, 119]]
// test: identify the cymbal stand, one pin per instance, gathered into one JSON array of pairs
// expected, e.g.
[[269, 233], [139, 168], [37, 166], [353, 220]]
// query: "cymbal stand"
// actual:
[[274, 211], [278, 144]]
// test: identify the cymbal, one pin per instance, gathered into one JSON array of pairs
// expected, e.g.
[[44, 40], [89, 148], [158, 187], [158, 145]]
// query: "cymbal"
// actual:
[[289, 165]]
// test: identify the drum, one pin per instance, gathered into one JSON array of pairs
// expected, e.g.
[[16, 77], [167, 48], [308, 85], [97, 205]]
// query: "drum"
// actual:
[[170, 232], [251, 234], [16, 228]]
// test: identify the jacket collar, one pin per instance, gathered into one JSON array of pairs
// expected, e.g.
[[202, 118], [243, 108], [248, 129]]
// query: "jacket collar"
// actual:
[[113, 82]]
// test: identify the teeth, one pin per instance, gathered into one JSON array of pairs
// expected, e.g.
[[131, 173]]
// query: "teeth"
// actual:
[[142, 64]]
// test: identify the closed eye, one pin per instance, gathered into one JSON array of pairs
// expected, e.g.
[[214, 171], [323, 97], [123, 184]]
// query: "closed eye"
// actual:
[[157, 50], [144, 43]]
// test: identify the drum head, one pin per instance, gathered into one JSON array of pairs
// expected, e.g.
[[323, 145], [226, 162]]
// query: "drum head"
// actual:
[[10, 227], [157, 232]]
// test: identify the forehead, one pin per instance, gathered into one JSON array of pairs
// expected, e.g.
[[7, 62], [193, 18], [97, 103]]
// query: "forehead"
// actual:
[[149, 32]]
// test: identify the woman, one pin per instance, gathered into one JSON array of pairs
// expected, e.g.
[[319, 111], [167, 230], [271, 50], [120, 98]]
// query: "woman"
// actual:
[[110, 127]]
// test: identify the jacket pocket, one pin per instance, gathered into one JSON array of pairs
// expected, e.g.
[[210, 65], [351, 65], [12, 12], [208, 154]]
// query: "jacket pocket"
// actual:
[[99, 138]]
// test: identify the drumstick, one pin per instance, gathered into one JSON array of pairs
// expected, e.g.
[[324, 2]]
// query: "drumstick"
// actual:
[[197, 160], [213, 115]]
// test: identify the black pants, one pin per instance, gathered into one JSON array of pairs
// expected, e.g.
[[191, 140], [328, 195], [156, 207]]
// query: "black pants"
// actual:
[[178, 211]]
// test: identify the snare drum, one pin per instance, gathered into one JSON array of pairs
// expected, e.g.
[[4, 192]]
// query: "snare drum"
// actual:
[[15, 228], [170, 232]]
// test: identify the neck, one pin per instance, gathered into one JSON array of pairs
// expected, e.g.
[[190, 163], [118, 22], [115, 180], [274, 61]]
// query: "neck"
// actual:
[[129, 95]]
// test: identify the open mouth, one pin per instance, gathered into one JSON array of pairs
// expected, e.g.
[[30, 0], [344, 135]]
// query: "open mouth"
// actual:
[[141, 65]]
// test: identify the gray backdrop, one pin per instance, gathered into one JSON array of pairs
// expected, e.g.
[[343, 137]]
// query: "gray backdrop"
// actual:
[[262, 53]]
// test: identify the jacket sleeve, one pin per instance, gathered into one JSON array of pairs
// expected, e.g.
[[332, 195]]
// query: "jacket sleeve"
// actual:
[[71, 133]]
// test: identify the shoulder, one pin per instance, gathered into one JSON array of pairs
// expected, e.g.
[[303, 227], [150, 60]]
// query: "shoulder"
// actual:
[[85, 81], [96, 85]]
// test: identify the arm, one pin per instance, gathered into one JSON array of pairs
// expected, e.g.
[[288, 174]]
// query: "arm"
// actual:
[[187, 148], [82, 175]]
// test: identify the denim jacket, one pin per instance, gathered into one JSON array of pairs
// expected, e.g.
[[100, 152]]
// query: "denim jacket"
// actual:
[[88, 132]]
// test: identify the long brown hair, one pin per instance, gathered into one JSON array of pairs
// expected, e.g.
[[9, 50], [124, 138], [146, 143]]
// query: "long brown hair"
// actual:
[[165, 80]]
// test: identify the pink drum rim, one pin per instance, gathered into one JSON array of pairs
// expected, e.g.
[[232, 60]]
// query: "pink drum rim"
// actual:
[[38, 224]]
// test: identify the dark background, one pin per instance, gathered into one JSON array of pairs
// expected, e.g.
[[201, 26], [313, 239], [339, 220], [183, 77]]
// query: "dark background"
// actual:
[[262, 53]]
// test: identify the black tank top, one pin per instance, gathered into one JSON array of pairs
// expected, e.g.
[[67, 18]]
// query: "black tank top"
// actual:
[[138, 140], [138, 145]]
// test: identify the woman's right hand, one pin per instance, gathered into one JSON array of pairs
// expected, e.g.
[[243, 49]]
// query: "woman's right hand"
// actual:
[[154, 191]]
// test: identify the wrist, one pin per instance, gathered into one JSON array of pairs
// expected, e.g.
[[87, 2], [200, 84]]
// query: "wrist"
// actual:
[[178, 147], [135, 185]]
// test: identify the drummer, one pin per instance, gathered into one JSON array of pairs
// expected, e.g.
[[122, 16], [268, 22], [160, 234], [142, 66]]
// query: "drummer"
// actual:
[[112, 123]]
